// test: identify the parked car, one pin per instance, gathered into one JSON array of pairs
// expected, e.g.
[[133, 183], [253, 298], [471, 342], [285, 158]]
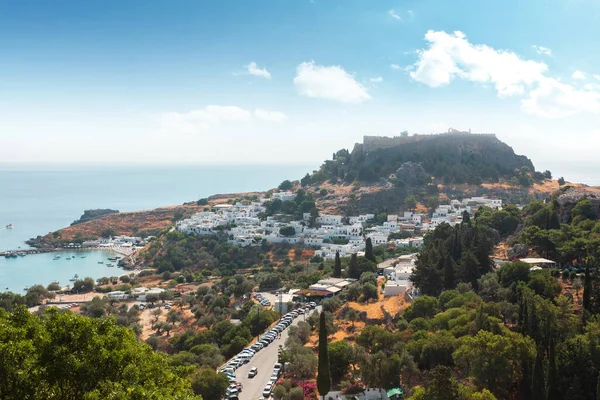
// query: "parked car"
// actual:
[[267, 391]]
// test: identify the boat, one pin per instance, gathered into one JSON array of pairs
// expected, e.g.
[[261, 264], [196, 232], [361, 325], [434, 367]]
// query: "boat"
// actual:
[[110, 265], [100, 262], [13, 255], [22, 254], [56, 258], [68, 258], [82, 257], [26, 288], [9, 226]]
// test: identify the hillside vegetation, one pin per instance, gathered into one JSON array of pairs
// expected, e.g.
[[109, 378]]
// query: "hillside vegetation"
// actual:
[[451, 158]]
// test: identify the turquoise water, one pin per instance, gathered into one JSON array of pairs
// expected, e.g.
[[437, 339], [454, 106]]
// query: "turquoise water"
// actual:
[[18, 273], [38, 199]]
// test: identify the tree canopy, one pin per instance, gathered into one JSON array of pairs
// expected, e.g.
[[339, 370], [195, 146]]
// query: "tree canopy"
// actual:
[[60, 355]]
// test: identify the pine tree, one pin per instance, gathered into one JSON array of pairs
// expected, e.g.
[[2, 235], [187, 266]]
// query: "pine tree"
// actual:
[[337, 268], [441, 385], [369, 250], [323, 372], [449, 272], [552, 386], [537, 381], [353, 271]]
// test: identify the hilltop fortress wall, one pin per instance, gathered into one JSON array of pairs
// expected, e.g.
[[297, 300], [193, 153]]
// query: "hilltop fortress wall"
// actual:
[[371, 143]]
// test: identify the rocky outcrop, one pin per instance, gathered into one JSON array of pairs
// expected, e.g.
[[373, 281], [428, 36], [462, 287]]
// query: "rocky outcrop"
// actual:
[[518, 251], [89, 215], [570, 196], [411, 174]]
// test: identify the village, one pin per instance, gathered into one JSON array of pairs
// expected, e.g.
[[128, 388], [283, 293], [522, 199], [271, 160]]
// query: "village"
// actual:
[[328, 234]]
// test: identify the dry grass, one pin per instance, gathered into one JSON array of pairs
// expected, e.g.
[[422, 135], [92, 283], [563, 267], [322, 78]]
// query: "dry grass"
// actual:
[[127, 223], [394, 305], [373, 310]]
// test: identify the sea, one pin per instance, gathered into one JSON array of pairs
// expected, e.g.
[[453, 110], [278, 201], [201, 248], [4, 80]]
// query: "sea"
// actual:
[[41, 198]]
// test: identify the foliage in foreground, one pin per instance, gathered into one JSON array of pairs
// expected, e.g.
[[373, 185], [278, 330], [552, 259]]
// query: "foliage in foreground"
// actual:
[[60, 355]]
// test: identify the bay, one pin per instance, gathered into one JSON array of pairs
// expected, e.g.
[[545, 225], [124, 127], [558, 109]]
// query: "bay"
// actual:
[[41, 198]]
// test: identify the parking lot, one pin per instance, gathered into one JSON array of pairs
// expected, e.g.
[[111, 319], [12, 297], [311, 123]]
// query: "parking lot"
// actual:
[[264, 360]]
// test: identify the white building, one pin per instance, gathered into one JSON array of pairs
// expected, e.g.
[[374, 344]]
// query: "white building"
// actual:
[[378, 238], [284, 196], [117, 295], [326, 219], [281, 302]]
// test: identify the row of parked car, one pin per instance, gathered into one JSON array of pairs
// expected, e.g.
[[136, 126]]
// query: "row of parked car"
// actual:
[[246, 355], [276, 330], [262, 300], [67, 306]]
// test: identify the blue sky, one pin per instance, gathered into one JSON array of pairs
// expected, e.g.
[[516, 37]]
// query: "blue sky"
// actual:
[[293, 80]]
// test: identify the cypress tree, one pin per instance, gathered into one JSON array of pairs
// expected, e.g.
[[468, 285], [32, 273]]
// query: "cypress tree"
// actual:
[[353, 271], [525, 384], [369, 250], [587, 289], [598, 388], [552, 389], [466, 218], [469, 268], [524, 328], [323, 372], [575, 391], [337, 268], [448, 272], [537, 381]]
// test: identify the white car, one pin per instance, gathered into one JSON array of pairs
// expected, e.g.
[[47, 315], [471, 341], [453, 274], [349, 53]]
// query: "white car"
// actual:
[[268, 389]]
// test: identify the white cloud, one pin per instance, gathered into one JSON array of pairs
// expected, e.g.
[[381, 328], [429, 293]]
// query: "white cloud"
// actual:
[[329, 82], [452, 56], [395, 15], [545, 51], [552, 98], [377, 79], [273, 116], [196, 121], [597, 76], [578, 75], [395, 66], [253, 69], [199, 120]]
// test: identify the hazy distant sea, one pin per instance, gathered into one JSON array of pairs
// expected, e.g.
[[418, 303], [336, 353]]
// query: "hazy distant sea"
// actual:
[[38, 199]]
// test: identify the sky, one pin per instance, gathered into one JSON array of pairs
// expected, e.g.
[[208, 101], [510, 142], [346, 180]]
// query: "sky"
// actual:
[[292, 81]]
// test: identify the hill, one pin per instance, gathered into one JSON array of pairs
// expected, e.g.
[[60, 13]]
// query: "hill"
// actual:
[[454, 157], [377, 176]]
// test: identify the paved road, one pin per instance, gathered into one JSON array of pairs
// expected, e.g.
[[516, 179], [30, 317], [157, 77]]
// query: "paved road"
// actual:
[[264, 360]]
